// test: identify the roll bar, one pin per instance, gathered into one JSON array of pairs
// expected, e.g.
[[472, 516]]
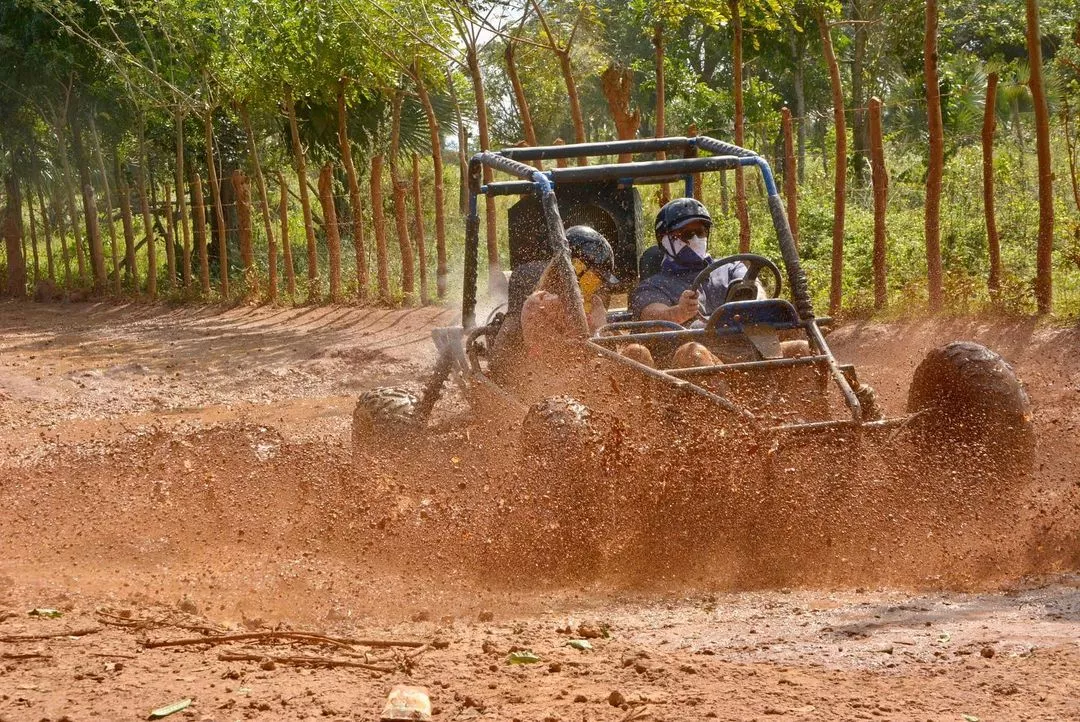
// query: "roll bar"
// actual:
[[722, 156]]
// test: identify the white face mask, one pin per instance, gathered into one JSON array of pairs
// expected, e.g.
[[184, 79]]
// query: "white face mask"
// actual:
[[698, 244]]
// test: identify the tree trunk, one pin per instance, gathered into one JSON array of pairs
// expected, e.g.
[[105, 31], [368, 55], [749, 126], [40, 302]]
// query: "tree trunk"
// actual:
[[575, 101], [725, 202], [617, 83], [741, 209], [114, 250], [330, 223], [378, 221], [519, 95], [495, 278], [691, 132], [791, 185], [418, 229], [860, 133], [46, 228], [1044, 283], [1070, 150], [661, 100], [243, 221], [264, 199], [33, 235], [436, 159], [132, 273], [937, 160], [181, 204], [880, 179], [219, 212], [148, 226], [355, 203], [463, 148], [69, 198], [305, 201], [93, 232], [836, 284], [401, 211], [201, 237], [992, 240], [170, 239], [286, 246], [16, 264], [798, 51]]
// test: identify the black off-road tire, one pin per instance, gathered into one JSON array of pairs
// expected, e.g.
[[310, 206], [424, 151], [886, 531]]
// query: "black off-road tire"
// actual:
[[386, 409], [559, 428], [972, 407]]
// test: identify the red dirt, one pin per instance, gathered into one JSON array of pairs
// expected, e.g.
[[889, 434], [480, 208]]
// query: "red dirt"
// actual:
[[191, 467]]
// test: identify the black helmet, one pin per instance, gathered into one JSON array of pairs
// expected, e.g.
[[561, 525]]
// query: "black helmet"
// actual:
[[592, 249], [677, 213]]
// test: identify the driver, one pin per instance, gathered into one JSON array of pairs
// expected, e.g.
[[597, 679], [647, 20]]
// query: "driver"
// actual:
[[682, 233]]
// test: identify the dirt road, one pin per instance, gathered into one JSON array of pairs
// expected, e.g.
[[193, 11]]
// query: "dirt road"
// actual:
[[165, 473]]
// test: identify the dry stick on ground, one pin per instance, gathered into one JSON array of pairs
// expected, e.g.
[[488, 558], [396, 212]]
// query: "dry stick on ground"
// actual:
[[303, 661], [299, 636], [50, 635], [24, 655]]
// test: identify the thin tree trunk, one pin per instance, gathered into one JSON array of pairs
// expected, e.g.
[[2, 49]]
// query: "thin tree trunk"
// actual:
[[437, 162], [16, 263], [113, 247], [937, 160], [798, 50], [378, 221], [170, 239], [1044, 282], [243, 221], [330, 223], [305, 200], [741, 209], [46, 228], [93, 232], [725, 201], [1070, 149], [69, 198], [260, 184], [519, 95], [201, 237], [418, 225], [880, 179], [992, 240], [219, 212], [181, 204], [401, 211], [355, 203], [836, 285], [661, 100], [33, 234], [286, 246], [129, 237], [463, 148], [860, 133], [495, 279], [148, 226], [791, 185], [575, 101]]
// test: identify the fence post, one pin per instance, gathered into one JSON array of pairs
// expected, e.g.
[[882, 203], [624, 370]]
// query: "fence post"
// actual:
[[791, 181], [880, 179]]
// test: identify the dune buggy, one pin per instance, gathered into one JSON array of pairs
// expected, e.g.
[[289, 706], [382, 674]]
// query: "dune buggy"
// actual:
[[961, 391]]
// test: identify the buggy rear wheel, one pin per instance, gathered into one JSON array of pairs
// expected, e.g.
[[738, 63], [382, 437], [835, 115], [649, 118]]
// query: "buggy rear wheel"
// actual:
[[972, 408]]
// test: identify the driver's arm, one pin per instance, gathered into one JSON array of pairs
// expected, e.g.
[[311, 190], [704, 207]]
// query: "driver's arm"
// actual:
[[682, 312]]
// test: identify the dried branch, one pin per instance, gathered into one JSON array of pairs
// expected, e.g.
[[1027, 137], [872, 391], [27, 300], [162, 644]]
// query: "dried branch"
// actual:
[[303, 661], [310, 637]]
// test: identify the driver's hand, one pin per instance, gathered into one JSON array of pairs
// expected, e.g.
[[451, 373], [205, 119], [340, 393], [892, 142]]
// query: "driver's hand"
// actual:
[[687, 307]]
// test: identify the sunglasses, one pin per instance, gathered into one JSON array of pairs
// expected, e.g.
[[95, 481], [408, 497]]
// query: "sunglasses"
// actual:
[[685, 234]]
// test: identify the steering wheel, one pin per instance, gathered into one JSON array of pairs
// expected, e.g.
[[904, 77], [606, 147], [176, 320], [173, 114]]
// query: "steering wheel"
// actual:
[[754, 265]]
